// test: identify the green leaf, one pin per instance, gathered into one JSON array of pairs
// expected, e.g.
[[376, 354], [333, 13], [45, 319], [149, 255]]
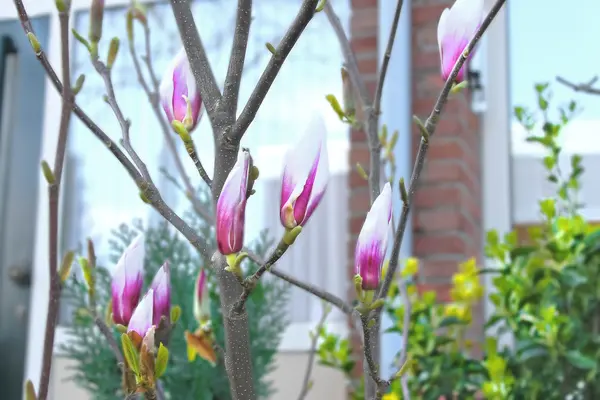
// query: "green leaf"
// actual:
[[449, 321], [579, 360], [333, 101], [162, 359], [130, 354]]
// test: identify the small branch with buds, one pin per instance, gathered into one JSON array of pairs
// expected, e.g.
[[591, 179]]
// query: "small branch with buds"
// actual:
[[307, 383], [250, 282], [54, 178], [153, 94], [581, 87], [304, 16], [196, 54]]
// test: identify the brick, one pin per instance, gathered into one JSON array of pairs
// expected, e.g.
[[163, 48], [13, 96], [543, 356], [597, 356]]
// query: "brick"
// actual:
[[368, 66], [364, 44], [360, 153], [360, 201], [444, 219], [421, 15], [358, 4], [446, 243], [442, 291], [440, 269], [444, 171], [455, 148], [357, 136], [364, 20]]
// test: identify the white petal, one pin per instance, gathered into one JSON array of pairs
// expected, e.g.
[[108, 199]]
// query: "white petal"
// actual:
[[131, 262], [442, 27], [166, 90], [141, 319], [161, 279], [235, 179], [378, 219], [299, 159], [465, 17]]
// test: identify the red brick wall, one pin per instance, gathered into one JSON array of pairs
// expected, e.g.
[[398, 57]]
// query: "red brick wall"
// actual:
[[447, 220]]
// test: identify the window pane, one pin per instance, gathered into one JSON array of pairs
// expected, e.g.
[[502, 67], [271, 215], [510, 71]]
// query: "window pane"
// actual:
[[547, 41], [99, 195]]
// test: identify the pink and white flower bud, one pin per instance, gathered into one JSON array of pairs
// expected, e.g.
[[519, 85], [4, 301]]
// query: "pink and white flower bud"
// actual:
[[456, 28], [179, 96], [141, 320], [231, 207], [305, 176], [161, 286], [372, 240], [127, 281], [202, 298]]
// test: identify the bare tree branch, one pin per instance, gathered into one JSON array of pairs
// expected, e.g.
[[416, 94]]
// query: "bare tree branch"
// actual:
[[231, 88], [307, 383], [87, 121], [153, 98], [203, 74], [125, 124], [581, 87], [429, 130], [386, 59], [349, 56], [330, 298], [53, 200], [307, 10]]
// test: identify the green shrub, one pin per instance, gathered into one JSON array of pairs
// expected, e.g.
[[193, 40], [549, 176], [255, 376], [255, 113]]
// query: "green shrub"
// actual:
[[96, 367], [546, 296]]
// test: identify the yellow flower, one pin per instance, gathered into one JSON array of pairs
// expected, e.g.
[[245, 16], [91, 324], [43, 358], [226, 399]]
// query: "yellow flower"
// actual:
[[411, 267], [390, 396], [459, 311]]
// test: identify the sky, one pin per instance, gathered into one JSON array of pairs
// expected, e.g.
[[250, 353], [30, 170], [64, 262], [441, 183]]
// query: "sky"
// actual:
[[550, 38]]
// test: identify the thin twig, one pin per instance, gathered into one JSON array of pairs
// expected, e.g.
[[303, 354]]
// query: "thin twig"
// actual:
[[203, 74], [386, 59], [373, 369], [53, 200], [125, 124], [349, 56], [231, 88], [108, 335], [250, 282], [581, 87], [430, 127], [87, 121], [152, 94], [149, 190], [307, 10], [405, 331], [307, 383], [324, 295]]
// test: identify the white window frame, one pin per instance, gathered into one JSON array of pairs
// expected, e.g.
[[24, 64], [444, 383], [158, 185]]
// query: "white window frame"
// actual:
[[496, 143], [296, 338]]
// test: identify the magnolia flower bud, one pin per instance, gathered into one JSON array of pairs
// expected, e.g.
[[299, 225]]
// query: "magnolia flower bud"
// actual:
[[348, 92], [202, 299], [141, 320], [96, 18], [305, 176], [372, 240], [127, 281], [161, 286], [231, 207], [179, 96], [456, 28]]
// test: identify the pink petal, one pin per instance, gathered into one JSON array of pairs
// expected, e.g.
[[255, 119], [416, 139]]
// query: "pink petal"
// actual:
[[141, 320]]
